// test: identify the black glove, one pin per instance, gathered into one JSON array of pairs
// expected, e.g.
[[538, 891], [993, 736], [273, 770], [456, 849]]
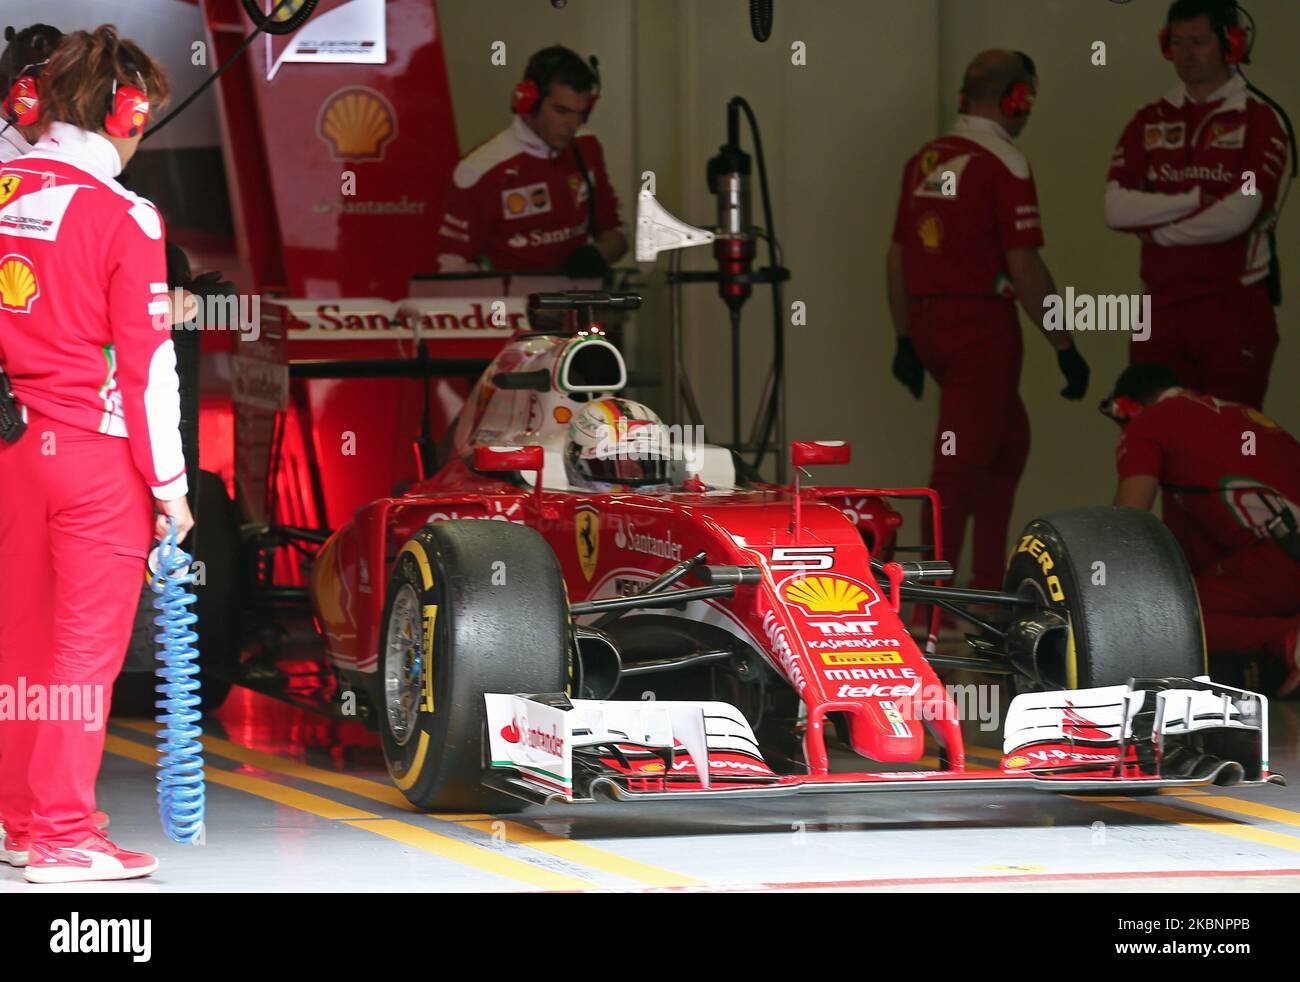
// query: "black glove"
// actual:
[[908, 368], [1076, 373], [585, 262]]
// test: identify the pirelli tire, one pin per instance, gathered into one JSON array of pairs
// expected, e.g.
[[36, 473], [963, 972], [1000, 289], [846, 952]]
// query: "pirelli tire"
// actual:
[[471, 607], [1119, 578]]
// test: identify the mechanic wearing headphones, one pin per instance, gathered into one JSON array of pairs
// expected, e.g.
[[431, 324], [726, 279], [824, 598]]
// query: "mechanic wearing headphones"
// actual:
[[1230, 483], [537, 196], [91, 448], [24, 58], [965, 246], [1177, 180]]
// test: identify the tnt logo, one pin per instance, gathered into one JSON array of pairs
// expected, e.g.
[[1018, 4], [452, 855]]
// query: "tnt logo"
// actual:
[[852, 628]]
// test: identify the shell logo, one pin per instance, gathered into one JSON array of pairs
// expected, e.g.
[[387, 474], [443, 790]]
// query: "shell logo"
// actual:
[[1255, 416], [931, 232], [18, 286], [1017, 761], [357, 123], [828, 595], [516, 202], [563, 414]]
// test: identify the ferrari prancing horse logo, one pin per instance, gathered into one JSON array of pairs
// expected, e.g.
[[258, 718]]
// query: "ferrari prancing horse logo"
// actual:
[[586, 525]]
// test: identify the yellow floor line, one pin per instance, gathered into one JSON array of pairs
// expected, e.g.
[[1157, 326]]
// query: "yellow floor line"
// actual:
[[578, 852], [305, 801], [464, 853], [1238, 806], [595, 858], [1206, 823], [469, 854], [384, 793]]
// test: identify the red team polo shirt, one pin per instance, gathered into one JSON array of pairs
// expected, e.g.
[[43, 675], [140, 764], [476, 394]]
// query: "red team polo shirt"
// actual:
[[84, 330], [517, 204], [954, 245], [1188, 441], [1177, 173]]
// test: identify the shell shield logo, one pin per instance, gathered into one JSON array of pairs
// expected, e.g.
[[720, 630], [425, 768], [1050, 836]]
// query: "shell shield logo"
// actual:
[[356, 123], [829, 595], [18, 285], [586, 524], [9, 187], [930, 231]]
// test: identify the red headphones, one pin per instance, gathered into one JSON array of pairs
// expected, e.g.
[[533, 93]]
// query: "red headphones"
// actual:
[[1018, 97], [1122, 409], [1234, 41], [527, 94], [129, 110], [22, 104]]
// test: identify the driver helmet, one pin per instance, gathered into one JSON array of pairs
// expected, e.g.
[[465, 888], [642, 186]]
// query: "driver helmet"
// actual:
[[617, 445]]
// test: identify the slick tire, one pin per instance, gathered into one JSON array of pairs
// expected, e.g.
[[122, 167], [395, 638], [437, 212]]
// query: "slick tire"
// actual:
[[1134, 616], [471, 607]]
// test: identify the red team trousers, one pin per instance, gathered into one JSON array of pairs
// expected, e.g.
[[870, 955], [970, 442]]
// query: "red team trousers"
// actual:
[[74, 513], [973, 348], [1221, 345]]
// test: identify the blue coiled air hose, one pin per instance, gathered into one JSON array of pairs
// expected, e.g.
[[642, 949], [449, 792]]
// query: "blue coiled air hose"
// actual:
[[180, 765]]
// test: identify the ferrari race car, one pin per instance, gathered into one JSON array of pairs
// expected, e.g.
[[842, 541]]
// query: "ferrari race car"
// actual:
[[517, 638]]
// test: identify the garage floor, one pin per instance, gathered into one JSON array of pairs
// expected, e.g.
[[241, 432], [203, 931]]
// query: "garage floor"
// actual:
[[298, 802]]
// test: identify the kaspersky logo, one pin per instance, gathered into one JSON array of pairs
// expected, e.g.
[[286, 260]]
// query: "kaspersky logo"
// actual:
[[356, 123], [18, 286]]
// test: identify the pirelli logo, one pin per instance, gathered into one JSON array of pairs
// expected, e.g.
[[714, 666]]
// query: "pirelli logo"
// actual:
[[838, 658]]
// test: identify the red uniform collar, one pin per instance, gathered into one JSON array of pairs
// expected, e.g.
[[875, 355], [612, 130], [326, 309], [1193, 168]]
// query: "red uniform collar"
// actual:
[[89, 151]]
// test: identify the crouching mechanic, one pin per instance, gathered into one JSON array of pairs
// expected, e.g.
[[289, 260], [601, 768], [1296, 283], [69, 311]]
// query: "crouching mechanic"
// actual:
[[537, 195], [965, 246], [84, 339], [1229, 479]]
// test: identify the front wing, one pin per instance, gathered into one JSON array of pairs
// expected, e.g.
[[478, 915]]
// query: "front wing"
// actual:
[[1147, 735]]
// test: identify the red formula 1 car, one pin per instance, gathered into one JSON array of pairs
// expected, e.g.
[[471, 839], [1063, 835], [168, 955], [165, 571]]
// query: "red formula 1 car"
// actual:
[[520, 639]]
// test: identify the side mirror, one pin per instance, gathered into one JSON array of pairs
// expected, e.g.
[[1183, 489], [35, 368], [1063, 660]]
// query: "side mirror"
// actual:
[[805, 452], [509, 459]]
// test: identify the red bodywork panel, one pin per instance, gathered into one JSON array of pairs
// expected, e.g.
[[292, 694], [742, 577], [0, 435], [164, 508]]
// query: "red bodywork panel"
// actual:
[[818, 615]]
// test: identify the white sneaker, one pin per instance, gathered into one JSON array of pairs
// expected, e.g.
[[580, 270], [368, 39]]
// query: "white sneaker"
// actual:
[[13, 850], [94, 858]]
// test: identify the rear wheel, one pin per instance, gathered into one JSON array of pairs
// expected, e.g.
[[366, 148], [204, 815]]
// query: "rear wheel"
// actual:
[[471, 607], [1118, 578]]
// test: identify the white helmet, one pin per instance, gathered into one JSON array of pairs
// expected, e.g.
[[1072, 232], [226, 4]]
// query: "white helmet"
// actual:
[[616, 445]]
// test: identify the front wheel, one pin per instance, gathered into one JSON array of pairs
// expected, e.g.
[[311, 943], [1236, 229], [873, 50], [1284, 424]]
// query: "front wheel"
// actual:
[[471, 607], [1119, 580]]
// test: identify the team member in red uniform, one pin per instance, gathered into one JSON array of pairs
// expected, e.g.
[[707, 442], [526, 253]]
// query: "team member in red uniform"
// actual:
[[1230, 483], [84, 339], [24, 58], [1178, 180], [537, 195], [965, 246]]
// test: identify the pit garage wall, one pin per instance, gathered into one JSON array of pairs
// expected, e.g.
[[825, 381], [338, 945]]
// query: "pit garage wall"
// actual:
[[881, 77]]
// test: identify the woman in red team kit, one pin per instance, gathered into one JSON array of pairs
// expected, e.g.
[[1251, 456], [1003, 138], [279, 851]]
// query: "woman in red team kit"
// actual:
[[85, 342]]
